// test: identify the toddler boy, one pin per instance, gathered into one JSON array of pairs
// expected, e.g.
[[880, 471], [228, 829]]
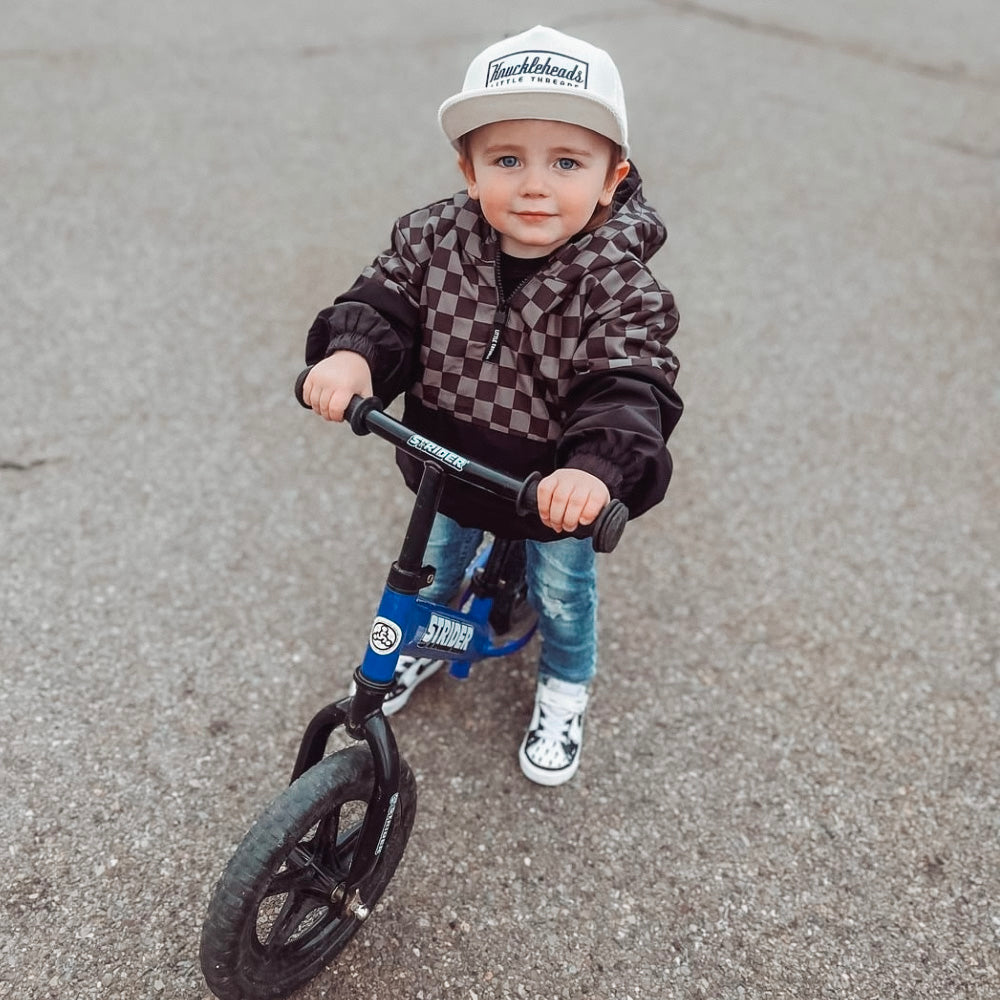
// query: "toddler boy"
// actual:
[[521, 321]]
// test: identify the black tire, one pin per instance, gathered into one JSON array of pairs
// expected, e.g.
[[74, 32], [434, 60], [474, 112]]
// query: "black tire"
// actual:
[[270, 926]]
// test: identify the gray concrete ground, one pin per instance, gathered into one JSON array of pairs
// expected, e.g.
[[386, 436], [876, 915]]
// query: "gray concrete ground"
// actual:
[[791, 778]]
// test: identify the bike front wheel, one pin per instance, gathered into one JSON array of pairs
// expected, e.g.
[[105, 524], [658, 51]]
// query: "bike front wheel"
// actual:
[[272, 924]]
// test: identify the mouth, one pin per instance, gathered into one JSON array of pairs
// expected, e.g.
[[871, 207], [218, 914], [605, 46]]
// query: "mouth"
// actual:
[[534, 216]]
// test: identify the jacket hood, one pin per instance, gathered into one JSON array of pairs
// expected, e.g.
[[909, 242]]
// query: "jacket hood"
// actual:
[[634, 227]]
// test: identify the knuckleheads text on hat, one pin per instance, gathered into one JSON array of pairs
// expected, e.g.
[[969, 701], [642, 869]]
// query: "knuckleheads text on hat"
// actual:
[[553, 68]]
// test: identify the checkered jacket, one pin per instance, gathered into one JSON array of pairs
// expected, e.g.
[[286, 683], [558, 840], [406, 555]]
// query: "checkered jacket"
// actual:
[[571, 368]]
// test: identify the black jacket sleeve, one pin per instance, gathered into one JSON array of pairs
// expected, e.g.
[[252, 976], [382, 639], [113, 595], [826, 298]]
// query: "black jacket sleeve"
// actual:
[[618, 432], [378, 318], [622, 406], [359, 327]]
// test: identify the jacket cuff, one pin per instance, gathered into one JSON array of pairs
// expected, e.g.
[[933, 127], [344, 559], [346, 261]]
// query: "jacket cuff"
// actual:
[[358, 343], [596, 465]]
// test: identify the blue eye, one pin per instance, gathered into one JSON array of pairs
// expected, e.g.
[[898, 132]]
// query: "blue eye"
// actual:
[[507, 161], [566, 163]]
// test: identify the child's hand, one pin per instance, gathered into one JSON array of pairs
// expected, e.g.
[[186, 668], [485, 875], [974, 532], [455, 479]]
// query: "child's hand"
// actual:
[[570, 497], [334, 380]]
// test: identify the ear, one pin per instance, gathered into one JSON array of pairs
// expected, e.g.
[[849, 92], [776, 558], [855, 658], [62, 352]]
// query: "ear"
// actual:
[[615, 176], [470, 176]]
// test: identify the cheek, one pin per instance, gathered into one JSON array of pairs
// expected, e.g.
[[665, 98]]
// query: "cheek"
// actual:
[[582, 201], [492, 200]]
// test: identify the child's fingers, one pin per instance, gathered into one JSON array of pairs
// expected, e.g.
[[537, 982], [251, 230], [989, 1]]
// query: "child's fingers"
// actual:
[[553, 496], [338, 404], [595, 503], [582, 507], [324, 393], [326, 399], [564, 508], [570, 497], [332, 383]]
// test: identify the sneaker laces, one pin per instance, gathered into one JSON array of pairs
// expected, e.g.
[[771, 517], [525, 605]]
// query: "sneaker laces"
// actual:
[[558, 709]]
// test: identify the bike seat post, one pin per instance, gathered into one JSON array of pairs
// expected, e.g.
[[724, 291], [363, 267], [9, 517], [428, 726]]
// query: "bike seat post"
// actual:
[[418, 531]]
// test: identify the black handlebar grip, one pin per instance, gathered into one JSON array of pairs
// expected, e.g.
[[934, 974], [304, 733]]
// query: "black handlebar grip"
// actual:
[[606, 529], [300, 385], [527, 499], [357, 410]]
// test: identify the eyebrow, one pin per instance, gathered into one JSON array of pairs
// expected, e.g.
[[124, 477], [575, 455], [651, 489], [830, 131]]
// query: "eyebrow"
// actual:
[[512, 147]]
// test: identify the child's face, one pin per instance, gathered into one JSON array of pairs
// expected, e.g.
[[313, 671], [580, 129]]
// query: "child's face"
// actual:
[[539, 182]]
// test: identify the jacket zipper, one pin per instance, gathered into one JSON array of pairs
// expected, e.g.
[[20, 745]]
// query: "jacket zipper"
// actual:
[[502, 313]]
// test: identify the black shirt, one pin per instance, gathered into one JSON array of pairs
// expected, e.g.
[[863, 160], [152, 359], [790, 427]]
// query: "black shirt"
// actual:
[[516, 270]]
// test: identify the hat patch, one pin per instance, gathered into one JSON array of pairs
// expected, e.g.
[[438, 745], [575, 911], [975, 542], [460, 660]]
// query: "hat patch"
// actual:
[[534, 67]]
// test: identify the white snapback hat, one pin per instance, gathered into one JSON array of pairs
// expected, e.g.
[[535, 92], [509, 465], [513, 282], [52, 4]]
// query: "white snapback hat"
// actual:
[[540, 73]]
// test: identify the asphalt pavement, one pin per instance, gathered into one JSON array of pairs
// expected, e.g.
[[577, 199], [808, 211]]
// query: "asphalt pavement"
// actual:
[[790, 779]]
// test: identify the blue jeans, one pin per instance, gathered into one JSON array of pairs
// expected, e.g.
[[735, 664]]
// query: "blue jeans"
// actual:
[[562, 587]]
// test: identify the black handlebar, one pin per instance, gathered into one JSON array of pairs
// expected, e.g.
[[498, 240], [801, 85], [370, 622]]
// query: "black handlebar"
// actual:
[[365, 416]]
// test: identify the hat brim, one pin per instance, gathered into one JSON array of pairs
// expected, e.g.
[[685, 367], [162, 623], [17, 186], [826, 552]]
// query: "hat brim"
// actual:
[[470, 110]]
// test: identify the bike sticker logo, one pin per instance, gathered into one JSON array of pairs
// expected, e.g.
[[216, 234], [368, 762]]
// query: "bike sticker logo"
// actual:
[[385, 637], [446, 633], [387, 823], [430, 448]]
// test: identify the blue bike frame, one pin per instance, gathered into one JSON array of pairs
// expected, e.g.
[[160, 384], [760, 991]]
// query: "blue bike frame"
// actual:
[[408, 625]]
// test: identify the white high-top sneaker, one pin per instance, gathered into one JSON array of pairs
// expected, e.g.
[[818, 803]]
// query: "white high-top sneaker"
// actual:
[[550, 750]]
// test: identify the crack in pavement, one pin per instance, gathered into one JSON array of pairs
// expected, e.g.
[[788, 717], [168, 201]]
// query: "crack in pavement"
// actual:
[[955, 72], [11, 466]]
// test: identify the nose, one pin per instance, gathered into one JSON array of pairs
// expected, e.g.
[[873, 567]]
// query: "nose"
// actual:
[[534, 182]]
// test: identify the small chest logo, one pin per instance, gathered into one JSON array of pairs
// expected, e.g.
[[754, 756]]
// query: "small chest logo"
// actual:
[[446, 633]]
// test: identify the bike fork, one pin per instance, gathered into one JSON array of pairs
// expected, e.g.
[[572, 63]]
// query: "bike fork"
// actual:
[[362, 718]]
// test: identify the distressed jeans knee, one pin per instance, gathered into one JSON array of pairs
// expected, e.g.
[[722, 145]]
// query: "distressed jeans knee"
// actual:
[[562, 585]]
